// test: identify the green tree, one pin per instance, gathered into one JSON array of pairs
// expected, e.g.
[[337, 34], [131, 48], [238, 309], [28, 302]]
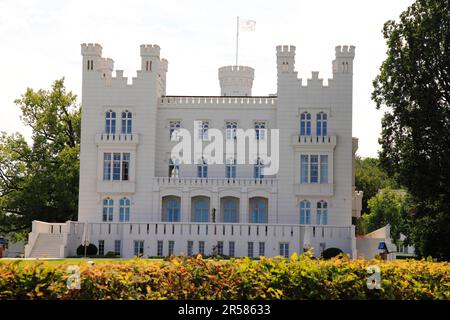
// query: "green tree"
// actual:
[[39, 181], [387, 207], [370, 177], [414, 85]]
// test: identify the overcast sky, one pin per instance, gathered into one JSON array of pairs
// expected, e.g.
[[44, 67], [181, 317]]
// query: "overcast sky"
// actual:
[[41, 43]]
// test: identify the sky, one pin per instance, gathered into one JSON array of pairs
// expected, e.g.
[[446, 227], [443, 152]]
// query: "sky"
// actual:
[[41, 43]]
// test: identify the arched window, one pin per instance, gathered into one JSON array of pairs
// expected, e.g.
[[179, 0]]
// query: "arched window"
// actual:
[[258, 169], [322, 124], [126, 122], [260, 130], [258, 210], [230, 210], [230, 168], [322, 212], [305, 124], [305, 212], [174, 168], [108, 209], [124, 210], [110, 122], [231, 127], [171, 209], [200, 209], [202, 168]]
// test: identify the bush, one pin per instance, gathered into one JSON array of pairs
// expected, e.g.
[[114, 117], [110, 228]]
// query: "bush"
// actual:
[[331, 253], [91, 250], [196, 278]]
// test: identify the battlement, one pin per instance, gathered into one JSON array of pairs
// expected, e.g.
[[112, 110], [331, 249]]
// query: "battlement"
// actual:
[[236, 71], [150, 50], [345, 51], [164, 65], [106, 64], [286, 50], [91, 49]]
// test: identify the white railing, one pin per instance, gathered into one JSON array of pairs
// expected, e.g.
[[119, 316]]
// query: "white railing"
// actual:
[[192, 181], [117, 138], [247, 101], [313, 140]]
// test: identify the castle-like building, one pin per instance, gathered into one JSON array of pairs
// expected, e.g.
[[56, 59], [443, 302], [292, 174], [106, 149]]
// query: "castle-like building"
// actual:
[[135, 198]]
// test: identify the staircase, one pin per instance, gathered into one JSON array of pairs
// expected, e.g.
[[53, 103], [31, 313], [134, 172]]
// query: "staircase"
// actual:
[[47, 245]]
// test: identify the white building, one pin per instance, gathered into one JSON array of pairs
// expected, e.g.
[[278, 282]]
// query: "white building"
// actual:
[[136, 199]]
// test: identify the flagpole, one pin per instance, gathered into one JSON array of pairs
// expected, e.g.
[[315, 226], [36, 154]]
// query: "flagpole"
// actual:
[[237, 39]]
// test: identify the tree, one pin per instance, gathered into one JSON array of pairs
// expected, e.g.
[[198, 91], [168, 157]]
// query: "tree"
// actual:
[[39, 181], [370, 177], [414, 85], [387, 207]]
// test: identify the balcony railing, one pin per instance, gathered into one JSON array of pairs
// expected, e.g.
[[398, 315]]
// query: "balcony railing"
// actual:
[[298, 140], [110, 138], [192, 181]]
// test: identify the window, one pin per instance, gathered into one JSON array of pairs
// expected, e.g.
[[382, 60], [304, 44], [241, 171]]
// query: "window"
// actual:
[[305, 124], [110, 122], [108, 207], [201, 247], [231, 248], [190, 248], [171, 247], [138, 248], [305, 212], [159, 248], [171, 209], [304, 164], [258, 169], [258, 210], [125, 166], [262, 249], [126, 122], [117, 247], [231, 127], [124, 210], [314, 169], [284, 249], [230, 209], [174, 168], [174, 127], [107, 166], [101, 247], [201, 209], [220, 248], [203, 127], [323, 169], [321, 124], [322, 212], [260, 130], [90, 65], [148, 66], [230, 168], [202, 168], [250, 249], [116, 166]]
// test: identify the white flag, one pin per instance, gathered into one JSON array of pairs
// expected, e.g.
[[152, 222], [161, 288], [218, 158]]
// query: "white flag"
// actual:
[[247, 25]]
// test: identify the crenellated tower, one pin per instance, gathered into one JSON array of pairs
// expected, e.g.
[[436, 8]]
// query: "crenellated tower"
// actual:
[[285, 59], [343, 62], [236, 80]]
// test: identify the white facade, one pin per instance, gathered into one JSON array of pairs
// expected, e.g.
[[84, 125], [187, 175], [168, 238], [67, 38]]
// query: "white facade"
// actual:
[[134, 199]]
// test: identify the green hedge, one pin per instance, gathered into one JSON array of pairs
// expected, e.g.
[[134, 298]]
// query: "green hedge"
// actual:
[[196, 278]]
